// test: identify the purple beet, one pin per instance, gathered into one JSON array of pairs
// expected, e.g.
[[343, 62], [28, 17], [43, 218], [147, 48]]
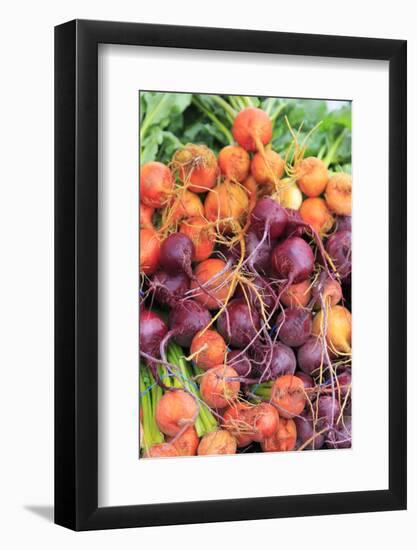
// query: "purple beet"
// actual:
[[239, 361], [310, 355], [268, 217], [294, 325], [238, 324], [344, 223], [176, 254], [341, 436], [306, 432], [306, 378], [339, 248], [259, 255], [152, 330], [187, 318], [294, 226], [328, 409], [293, 260], [272, 362], [169, 288]]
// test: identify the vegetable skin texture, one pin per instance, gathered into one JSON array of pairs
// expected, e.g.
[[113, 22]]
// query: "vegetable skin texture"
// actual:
[[284, 438], [156, 184], [146, 215], [209, 349], [252, 128], [216, 390], [288, 395], [339, 194], [198, 166], [188, 205], [150, 249], [187, 318], [234, 162], [267, 167], [294, 325], [315, 212], [201, 235], [176, 254], [161, 450], [293, 260], [263, 420], [216, 280], [219, 442], [311, 176], [174, 411], [226, 200], [297, 295], [187, 443], [339, 328], [152, 330], [244, 323]]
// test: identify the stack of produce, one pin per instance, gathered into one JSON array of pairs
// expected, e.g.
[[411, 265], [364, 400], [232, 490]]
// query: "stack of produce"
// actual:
[[245, 324]]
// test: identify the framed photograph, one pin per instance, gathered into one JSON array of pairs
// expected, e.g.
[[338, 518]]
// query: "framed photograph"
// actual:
[[230, 244]]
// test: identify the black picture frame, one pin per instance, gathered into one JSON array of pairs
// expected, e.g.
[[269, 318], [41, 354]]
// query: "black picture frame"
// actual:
[[76, 270]]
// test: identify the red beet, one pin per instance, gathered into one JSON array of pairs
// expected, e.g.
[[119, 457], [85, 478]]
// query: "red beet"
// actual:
[[294, 325], [168, 288], [339, 248], [310, 355], [238, 324], [293, 260], [152, 330], [268, 217], [187, 318], [176, 254]]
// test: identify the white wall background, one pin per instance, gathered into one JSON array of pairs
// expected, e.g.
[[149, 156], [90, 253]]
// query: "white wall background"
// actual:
[[26, 274]]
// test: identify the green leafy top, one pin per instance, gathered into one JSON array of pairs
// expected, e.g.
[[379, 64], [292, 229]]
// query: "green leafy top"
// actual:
[[170, 120]]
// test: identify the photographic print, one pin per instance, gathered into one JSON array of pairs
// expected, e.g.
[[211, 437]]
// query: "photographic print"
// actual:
[[245, 274]]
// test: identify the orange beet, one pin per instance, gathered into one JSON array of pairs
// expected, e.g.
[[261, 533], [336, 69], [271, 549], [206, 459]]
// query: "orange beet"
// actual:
[[252, 128], [145, 215], [149, 248], [267, 167], [263, 420], [187, 443], [227, 204], [219, 442], [289, 396], [284, 439], [187, 205], [235, 423], [210, 349], [174, 410], [216, 390], [156, 184], [339, 194], [234, 162], [214, 293], [251, 186], [331, 293], [161, 450], [202, 236], [297, 295], [311, 176], [197, 164], [315, 212]]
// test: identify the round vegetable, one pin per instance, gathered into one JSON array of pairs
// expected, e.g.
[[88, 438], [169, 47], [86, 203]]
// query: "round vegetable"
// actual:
[[216, 388], [209, 349], [175, 410], [212, 283], [150, 246], [152, 330], [338, 330], [197, 164], [238, 324], [294, 326], [201, 235], [187, 318], [156, 184], [311, 176], [219, 442], [234, 162], [315, 212], [267, 167], [288, 395], [339, 194], [252, 128]]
